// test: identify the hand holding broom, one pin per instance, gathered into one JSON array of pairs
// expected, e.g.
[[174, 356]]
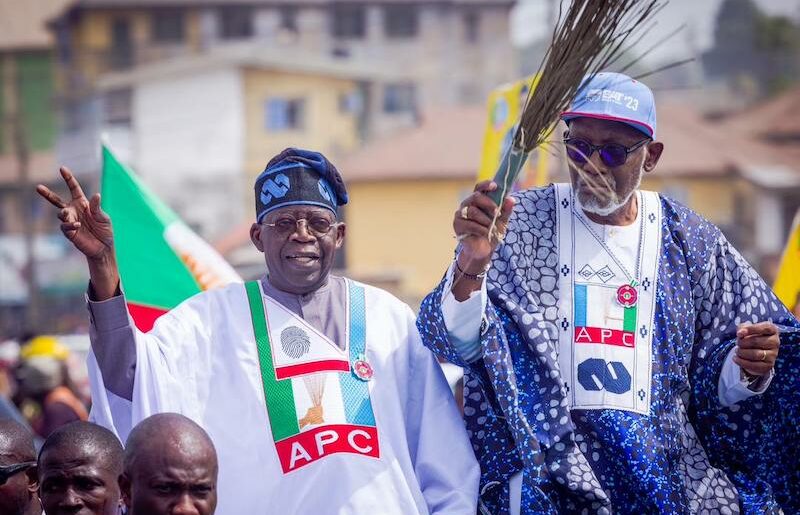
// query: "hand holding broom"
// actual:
[[589, 37]]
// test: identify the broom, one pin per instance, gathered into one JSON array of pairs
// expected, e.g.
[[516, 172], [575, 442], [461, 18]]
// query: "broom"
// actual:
[[589, 37]]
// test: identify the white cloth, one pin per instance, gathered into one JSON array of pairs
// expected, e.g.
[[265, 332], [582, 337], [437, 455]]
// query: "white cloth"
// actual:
[[200, 360]]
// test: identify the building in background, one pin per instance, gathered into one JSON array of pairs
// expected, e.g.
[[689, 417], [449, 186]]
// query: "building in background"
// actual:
[[199, 130], [404, 190], [208, 91], [36, 274], [446, 52]]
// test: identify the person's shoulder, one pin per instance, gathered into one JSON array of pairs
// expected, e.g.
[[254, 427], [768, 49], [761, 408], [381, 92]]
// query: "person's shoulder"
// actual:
[[380, 298], [209, 300], [683, 219]]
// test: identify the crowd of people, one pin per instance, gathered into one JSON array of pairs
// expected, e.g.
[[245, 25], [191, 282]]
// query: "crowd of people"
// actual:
[[620, 356], [168, 466]]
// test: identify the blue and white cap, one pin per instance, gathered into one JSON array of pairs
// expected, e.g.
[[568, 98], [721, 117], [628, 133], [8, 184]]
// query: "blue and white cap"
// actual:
[[299, 177], [617, 97]]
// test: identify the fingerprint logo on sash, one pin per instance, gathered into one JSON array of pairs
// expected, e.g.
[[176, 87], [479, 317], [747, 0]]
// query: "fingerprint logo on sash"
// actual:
[[295, 342]]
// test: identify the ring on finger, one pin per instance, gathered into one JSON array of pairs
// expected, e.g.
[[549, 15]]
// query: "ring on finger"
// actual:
[[763, 355], [465, 212]]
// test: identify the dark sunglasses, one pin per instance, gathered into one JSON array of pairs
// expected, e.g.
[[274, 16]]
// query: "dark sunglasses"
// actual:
[[611, 154], [6, 471]]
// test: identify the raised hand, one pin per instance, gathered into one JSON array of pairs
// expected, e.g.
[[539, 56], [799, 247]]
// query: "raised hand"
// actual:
[[479, 225], [85, 224]]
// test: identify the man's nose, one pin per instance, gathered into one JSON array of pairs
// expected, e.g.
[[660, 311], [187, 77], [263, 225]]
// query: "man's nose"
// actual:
[[594, 165], [301, 231], [71, 501], [184, 506]]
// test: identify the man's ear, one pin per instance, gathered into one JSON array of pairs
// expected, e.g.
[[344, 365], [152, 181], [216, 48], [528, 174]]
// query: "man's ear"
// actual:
[[255, 236], [341, 230], [33, 479], [654, 151]]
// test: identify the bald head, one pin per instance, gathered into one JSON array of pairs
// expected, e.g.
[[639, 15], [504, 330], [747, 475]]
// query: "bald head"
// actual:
[[170, 464], [84, 438], [18, 480], [16, 441]]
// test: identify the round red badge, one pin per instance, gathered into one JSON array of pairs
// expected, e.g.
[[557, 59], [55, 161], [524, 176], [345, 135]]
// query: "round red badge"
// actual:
[[363, 370], [627, 295]]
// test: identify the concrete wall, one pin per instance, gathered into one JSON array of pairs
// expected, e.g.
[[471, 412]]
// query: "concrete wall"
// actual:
[[325, 127], [402, 229], [188, 143]]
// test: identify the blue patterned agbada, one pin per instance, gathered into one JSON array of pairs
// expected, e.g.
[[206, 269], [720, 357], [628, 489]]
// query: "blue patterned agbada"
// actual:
[[689, 454]]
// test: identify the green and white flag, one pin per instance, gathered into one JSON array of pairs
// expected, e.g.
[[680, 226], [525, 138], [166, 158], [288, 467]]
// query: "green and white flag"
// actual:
[[161, 261]]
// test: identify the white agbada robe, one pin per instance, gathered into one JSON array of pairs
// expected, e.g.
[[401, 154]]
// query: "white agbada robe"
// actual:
[[201, 360]]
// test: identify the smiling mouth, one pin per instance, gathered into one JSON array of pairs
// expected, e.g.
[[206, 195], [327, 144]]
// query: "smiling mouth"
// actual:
[[302, 258]]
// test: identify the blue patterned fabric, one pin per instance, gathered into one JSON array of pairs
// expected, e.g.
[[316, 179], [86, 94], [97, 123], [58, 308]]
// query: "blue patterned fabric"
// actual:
[[690, 454]]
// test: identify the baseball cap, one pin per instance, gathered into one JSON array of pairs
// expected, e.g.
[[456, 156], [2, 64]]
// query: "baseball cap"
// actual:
[[617, 97]]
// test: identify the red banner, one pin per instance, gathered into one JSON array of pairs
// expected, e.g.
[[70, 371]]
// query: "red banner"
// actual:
[[605, 336], [309, 446]]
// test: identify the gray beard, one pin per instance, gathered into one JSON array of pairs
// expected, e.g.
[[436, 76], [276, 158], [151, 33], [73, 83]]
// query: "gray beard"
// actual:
[[612, 207]]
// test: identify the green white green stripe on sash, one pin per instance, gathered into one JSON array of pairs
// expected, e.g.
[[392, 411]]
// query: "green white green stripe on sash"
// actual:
[[278, 393]]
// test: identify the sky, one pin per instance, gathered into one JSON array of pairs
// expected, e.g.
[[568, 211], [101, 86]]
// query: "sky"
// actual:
[[529, 23]]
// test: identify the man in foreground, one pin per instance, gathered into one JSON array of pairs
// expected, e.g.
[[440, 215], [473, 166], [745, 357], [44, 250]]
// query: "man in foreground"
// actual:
[[315, 389], [626, 361], [18, 481], [170, 467], [79, 468]]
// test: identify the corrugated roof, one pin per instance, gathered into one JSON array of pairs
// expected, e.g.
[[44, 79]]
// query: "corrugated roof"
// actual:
[[446, 145], [775, 118], [695, 146], [23, 23]]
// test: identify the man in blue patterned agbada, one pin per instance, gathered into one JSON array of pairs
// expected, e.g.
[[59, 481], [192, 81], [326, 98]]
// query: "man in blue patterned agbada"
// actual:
[[620, 355]]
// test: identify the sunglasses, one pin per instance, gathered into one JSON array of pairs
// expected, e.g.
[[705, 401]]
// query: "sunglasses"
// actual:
[[7, 471], [611, 154]]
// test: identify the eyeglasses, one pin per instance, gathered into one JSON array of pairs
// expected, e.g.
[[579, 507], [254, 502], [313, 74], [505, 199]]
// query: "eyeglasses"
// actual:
[[7, 471], [611, 154], [317, 226]]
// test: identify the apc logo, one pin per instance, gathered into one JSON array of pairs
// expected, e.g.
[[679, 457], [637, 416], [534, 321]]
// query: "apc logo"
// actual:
[[596, 375], [276, 187]]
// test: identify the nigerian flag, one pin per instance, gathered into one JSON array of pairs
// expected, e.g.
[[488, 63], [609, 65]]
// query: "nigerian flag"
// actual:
[[161, 261]]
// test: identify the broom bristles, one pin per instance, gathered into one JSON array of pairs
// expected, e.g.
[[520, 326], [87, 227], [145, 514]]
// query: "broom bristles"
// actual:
[[588, 37]]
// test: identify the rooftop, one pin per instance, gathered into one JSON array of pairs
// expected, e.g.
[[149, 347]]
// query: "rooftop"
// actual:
[[446, 145], [23, 23]]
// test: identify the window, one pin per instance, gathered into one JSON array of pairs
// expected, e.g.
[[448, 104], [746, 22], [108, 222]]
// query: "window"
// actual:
[[399, 98], [351, 103], [121, 56], [284, 114], [76, 115], [117, 107], [235, 22], [288, 14], [348, 21], [471, 27], [167, 26], [400, 21]]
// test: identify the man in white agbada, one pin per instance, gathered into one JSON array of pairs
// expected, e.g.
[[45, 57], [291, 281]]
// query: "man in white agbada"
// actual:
[[315, 389]]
